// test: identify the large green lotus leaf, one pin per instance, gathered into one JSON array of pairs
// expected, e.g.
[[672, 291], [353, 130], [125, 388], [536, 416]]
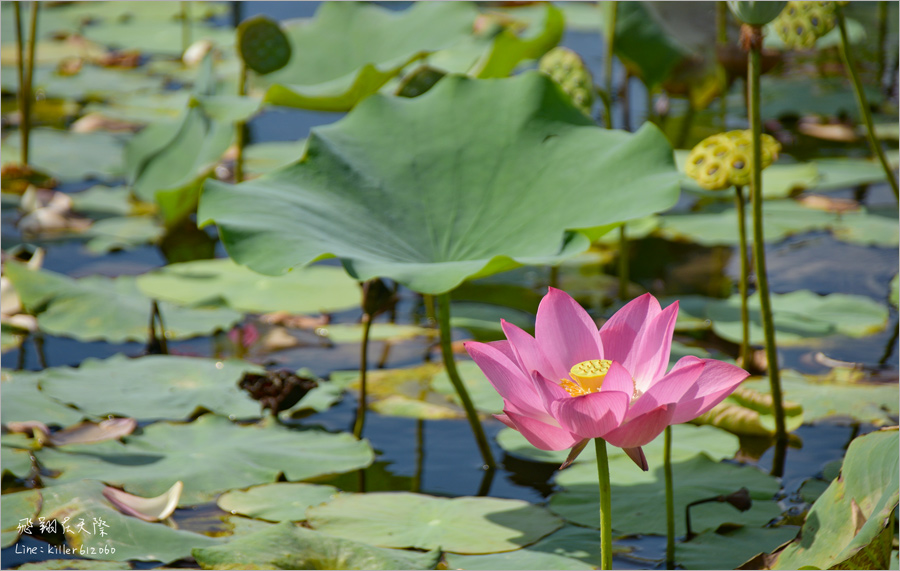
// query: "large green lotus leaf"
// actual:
[[286, 546], [70, 157], [384, 42], [843, 172], [568, 548], [80, 564], [280, 501], [315, 289], [90, 83], [156, 37], [473, 177], [102, 201], [750, 413], [20, 510], [801, 316], [868, 229], [22, 401], [544, 28], [122, 233], [99, 308], [261, 158], [353, 332], [730, 549], [210, 455], [687, 441], [642, 43], [153, 387], [638, 497], [16, 454], [847, 524], [460, 525], [125, 537], [863, 402], [143, 107], [99, 12]]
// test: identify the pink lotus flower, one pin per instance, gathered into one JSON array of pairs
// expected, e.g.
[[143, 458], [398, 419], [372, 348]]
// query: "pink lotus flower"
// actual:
[[570, 382]]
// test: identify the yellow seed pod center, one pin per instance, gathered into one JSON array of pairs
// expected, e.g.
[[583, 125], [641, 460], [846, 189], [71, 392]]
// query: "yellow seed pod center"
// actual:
[[588, 377]]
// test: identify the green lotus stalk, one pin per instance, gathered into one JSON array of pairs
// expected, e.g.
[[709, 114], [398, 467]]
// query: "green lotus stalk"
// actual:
[[623, 263], [240, 127], [745, 275], [605, 505], [22, 95], [443, 303], [863, 103], [360, 421], [882, 40], [670, 499], [759, 246]]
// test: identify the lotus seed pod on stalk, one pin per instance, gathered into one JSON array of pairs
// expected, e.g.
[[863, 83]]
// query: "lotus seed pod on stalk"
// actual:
[[756, 13], [567, 69], [725, 160], [800, 24]]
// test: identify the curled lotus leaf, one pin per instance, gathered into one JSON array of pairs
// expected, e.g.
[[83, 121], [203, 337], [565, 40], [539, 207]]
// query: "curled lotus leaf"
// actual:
[[473, 177]]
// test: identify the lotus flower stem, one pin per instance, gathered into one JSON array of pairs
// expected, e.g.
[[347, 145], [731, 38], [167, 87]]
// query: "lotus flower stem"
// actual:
[[363, 368], [882, 39], [863, 103], [25, 76], [670, 500], [613, 8], [185, 26], [759, 254], [443, 303], [605, 508], [745, 274], [240, 127]]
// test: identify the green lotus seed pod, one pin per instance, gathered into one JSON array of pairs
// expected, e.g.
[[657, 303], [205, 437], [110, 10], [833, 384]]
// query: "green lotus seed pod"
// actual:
[[800, 24], [262, 45], [567, 69], [724, 160], [754, 12]]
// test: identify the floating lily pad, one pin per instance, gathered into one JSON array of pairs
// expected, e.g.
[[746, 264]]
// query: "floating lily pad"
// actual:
[[353, 332], [687, 441], [384, 42], [152, 387], [746, 412], [122, 233], [872, 403], [22, 401], [155, 37], [800, 316], [16, 455], [316, 289], [143, 107], [70, 157], [849, 525], [147, 464], [446, 152], [113, 310], [844, 172], [276, 502], [868, 229], [102, 201], [459, 525], [20, 510], [728, 550], [124, 537], [638, 497], [286, 546], [483, 395], [81, 564]]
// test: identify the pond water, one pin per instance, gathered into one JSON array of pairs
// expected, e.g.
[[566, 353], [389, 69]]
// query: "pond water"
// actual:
[[439, 457]]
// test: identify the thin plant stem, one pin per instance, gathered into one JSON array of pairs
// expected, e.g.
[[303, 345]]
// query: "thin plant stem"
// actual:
[[185, 26], [416, 482], [623, 262], [605, 507], [759, 253], [882, 40], [163, 341], [363, 368], [20, 75], [28, 79], [864, 104], [670, 499], [240, 127], [428, 302], [553, 279], [613, 8], [443, 304], [745, 274], [38, 341]]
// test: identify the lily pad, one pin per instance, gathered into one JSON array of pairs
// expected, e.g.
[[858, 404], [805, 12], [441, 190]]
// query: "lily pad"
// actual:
[[730, 549], [463, 147], [261, 158], [482, 393], [353, 332], [687, 441], [95, 308], [872, 403], [102, 201], [459, 525], [544, 25], [315, 289], [847, 525], [156, 37], [384, 42], [276, 502], [844, 172], [800, 316], [122, 233], [20, 510], [23, 401], [70, 157], [286, 546], [124, 538], [152, 387], [240, 455], [638, 497], [746, 412], [80, 564], [16, 455]]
